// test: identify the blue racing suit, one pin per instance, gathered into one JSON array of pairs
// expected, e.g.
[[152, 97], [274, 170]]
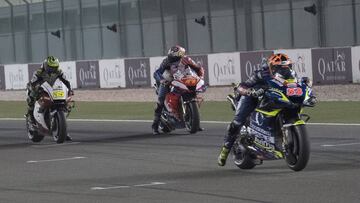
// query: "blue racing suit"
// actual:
[[246, 104]]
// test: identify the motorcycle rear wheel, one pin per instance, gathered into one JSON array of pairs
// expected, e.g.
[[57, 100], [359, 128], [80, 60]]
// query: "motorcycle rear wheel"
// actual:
[[192, 117], [298, 153], [59, 127], [241, 158]]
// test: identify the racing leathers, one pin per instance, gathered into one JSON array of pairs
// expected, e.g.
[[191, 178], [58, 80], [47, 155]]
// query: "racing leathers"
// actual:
[[247, 103], [33, 86], [163, 83]]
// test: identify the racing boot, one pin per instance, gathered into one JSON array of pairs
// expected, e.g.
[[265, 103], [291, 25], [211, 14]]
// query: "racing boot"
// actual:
[[156, 122], [224, 153], [155, 127], [230, 137]]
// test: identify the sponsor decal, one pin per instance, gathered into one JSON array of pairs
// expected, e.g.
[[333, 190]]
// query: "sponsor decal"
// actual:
[[2, 78], [332, 65], [112, 73], [224, 69], [87, 73], [16, 76], [137, 72], [251, 61]]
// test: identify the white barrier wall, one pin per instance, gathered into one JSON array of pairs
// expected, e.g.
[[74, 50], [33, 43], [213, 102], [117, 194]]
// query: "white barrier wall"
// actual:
[[154, 64], [301, 59], [16, 76], [355, 53], [323, 65], [69, 69], [224, 68], [112, 73]]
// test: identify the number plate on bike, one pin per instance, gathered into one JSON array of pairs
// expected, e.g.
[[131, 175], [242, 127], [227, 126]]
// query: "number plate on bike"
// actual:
[[294, 91], [58, 94]]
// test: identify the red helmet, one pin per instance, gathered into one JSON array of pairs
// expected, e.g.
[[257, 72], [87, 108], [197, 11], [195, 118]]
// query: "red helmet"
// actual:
[[280, 64]]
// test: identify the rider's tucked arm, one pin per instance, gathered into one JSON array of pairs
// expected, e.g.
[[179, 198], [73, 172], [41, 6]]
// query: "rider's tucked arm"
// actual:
[[158, 74], [63, 79], [244, 88], [199, 70]]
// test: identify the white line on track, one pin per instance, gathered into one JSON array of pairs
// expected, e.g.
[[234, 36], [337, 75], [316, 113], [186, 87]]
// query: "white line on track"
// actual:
[[53, 145], [52, 160], [343, 144], [149, 121], [127, 186]]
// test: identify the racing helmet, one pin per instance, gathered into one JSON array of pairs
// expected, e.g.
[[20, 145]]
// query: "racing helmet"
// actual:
[[175, 53], [280, 65], [51, 64]]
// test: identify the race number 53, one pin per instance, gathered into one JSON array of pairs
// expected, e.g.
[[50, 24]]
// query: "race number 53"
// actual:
[[294, 91]]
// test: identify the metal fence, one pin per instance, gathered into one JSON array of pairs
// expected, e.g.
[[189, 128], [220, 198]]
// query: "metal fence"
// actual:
[[98, 29]]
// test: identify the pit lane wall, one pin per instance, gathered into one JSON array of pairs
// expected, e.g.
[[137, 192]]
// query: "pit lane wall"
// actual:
[[325, 66]]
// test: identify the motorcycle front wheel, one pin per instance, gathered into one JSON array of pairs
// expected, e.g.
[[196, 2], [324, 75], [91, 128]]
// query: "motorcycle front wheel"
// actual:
[[192, 117], [298, 151], [59, 127]]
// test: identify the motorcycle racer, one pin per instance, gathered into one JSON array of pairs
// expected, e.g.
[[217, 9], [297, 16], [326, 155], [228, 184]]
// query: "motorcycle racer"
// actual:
[[277, 66], [48, 71], [175, 59]]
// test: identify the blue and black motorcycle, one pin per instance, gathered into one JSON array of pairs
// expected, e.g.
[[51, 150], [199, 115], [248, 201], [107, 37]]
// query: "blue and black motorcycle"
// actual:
[[277, 127]]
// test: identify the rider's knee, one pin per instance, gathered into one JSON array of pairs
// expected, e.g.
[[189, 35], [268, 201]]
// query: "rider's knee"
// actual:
[[233, 128]]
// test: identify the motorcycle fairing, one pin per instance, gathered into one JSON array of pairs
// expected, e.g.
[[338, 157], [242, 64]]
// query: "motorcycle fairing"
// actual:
[[262, 128], [58, 91], [39, 116]]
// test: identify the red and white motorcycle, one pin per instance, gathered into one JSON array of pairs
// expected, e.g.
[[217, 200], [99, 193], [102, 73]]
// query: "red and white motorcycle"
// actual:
[[50, 112], [182, 102]]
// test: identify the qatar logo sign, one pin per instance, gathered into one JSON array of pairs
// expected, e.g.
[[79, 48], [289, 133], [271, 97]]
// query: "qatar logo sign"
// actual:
[[224, 68], [2, 78], [16, 76], [137, 72], [332, 66], [251, 61], [87, 73], [112, 73]]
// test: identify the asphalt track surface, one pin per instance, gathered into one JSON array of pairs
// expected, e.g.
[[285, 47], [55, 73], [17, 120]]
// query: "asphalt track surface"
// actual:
[[123, 162]]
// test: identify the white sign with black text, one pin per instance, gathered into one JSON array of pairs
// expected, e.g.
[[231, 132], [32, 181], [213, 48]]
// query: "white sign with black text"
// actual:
[[355, 53], [69, 69], [16, 76], [112, 73], [224, 68]]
